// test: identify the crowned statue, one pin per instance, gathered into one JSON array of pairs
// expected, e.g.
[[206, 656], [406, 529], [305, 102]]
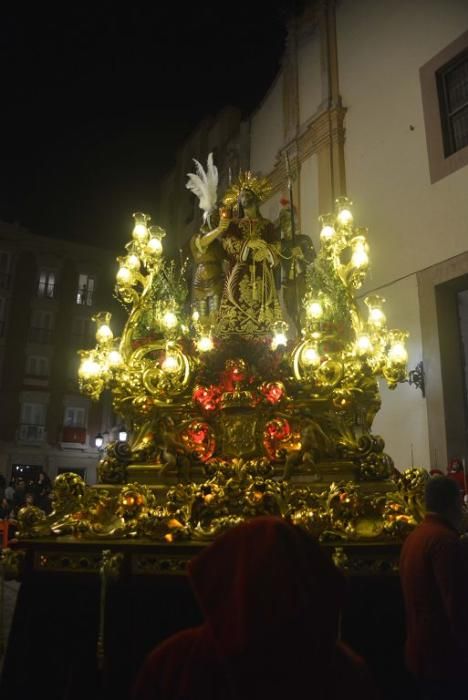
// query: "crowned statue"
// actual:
[[248, 243]]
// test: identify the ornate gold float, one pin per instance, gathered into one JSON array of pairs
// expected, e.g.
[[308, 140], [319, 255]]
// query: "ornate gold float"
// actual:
[[230, 426]]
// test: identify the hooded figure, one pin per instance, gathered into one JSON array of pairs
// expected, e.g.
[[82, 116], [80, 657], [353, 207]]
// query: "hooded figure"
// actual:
[[271, 601]]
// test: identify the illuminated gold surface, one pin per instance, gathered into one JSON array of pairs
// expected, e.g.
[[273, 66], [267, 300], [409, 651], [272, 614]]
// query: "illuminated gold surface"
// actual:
[[240, 426]]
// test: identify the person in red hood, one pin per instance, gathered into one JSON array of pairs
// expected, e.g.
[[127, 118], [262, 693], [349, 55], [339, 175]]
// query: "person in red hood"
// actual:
[[271, 600], [456, 472], [434, 581]]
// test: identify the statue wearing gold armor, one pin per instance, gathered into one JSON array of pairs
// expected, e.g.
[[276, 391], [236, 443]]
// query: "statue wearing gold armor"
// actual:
[[208, 278], [207, 252]]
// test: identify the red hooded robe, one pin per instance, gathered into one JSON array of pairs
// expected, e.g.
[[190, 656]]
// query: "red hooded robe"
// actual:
[[271, 601]]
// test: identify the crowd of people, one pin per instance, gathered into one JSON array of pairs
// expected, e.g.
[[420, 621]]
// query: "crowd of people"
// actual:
[[20, 492]]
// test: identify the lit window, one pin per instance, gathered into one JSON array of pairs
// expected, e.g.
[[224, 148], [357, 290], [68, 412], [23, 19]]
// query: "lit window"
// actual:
[[452, 83], [85, 290], [46, 285], [75, 416]]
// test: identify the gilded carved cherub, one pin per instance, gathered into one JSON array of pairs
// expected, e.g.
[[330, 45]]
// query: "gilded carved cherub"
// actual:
[[313, 442], [172, 450]]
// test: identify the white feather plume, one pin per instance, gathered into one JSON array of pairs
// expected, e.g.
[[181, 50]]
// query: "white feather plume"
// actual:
[[205, 186]]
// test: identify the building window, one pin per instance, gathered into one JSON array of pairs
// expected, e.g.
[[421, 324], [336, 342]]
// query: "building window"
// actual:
[[32, 426], [37, 366], [84, 332], [46, 286], [85, 291], [444, 88], [41, 327], [75, 417], [452, 83]]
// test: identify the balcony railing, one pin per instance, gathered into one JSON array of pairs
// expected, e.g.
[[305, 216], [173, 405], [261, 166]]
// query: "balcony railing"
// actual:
[[28, 432], [73, 434], [40, 335], [84, 296], [47, 290]]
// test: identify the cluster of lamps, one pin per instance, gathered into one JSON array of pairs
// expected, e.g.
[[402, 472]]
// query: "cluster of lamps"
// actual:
[[369, 341], [322, 354]]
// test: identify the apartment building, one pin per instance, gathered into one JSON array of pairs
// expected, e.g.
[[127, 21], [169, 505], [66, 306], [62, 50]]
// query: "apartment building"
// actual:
[[49, 291]]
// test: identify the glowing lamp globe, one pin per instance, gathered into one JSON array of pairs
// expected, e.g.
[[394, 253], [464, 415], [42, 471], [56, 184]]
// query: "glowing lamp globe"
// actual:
[[169, 319], [398, 354], [310, 357], [363, 345], [279, 338], [327, 232], [89, 368], [170, 364], [124, 276], [205, 344], [133, 262], [115, 358], [154, 246], [315, 310], [104, 333], [344, 217], [359, 257]]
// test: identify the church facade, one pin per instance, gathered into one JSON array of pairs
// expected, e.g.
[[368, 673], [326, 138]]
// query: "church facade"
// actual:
[[371, 102]]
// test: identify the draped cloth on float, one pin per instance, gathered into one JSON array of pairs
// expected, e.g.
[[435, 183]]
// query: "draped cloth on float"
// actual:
[[249, 304]]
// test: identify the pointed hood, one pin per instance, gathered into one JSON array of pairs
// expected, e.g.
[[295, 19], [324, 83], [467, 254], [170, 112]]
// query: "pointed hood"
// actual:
[[271, 600]]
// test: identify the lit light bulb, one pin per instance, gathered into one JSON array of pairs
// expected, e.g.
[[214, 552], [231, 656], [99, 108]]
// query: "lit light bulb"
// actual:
[[140, 230], [327, 223], [344, 217], [104, 333], [359, 257], [376, 317], [169, 319], [279, 338], [115, 358], [315, 310], [327, 232], [154, 246], [170, 364], [363, 344], [124, 276], [310, 356], [133, 262], [89, 368], [205, 344], [398, 354]]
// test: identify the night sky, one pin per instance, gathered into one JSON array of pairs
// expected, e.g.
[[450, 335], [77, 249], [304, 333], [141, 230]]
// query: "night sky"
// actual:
[[96, 101]]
